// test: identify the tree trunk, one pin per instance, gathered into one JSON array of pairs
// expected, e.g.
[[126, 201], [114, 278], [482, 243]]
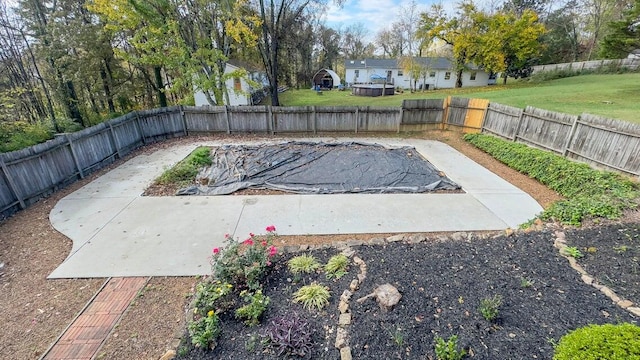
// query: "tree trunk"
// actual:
[[106, 86], [459, 79], [162, 97]]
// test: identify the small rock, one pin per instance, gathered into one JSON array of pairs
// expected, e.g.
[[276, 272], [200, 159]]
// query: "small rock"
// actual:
[[416, 239], [304, 247], [345, 353], [395, 238], [625, 304], [560, 236], [348, 252], [344, 319], [346, 295], [354, 285], [354, 242], [341, 338], [343, 307], [361, 278], [587, 279], [512, 335], [605, 290], [458, 236], [357, 260], [377, 241], [634, 310], [170, 354]]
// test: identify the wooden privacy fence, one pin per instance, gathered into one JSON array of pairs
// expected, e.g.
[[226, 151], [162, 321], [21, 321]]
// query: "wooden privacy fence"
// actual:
[[32, 173]]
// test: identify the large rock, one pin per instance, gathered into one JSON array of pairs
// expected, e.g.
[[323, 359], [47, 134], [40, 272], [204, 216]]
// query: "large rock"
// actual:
[[386, 295]]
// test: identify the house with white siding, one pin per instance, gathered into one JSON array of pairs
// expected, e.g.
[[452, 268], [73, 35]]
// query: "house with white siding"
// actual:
[[240, 91], [436, 73]]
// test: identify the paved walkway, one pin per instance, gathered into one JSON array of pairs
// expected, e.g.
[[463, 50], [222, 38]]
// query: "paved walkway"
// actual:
[[84, 337], [117, 232]]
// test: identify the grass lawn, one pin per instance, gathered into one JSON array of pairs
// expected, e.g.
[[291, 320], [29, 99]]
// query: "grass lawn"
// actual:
[[612, 96]]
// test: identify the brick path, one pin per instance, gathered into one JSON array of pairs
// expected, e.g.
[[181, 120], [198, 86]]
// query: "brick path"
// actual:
[[85, 336]]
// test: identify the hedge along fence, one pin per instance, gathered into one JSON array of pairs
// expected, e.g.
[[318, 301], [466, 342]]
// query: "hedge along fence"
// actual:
[[35, 172]]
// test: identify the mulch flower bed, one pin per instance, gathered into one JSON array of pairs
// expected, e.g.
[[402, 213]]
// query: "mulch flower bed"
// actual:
[[443, 282]]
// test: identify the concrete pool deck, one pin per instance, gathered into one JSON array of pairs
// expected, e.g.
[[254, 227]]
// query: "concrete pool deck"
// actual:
[[117, 232]]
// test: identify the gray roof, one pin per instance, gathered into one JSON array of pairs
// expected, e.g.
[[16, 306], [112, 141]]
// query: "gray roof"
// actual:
[[433, 62]]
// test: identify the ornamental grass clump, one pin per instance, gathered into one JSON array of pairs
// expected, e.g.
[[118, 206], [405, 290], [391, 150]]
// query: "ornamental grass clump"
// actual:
[[336, 267], [588, 192], [600, 342], [303, 264], [490, 307], [314, 296]]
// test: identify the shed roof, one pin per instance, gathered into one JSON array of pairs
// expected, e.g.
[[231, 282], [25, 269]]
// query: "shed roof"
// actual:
[[334, 76]]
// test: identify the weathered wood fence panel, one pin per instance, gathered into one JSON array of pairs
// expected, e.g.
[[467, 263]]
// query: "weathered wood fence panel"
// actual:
[[126, 133], [456, 112], [250, 119], [336, 118], [298, 119], [546, 129], [92, 146], [8, 198], [378, 118], [502, 120], [606, 142], [163, 123], [422, 111], [207, 119]]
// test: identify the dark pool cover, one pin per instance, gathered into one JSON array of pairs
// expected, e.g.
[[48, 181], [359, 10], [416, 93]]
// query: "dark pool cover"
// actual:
[[319, 168]]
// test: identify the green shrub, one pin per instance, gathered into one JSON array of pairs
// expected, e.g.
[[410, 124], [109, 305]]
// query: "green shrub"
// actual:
[[256, 304], [205, 331], [314, 296], [18, 135], [186, 170], [490, 307], [336, 267], [448, 350], [588, 192], [600, 342]]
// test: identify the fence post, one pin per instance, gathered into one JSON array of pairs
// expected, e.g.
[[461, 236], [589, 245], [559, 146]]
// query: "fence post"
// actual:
[[400, 114], [570, 138], [270, 120], [226, 115], [75, 157], [112, 138], [315, 119], [484, 116], [445, 112], [515, 134], [358, 118], [184, 120], [12, 185], [139, 126]]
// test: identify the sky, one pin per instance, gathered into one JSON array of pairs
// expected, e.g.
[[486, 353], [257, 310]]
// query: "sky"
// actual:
[[379, 14]]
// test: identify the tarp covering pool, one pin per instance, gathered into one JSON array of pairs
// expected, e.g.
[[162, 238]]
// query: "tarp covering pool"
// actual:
[[319, 168]]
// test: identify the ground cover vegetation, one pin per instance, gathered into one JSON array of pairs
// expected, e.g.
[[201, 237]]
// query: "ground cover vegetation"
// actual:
[[589, 193], [185, 171], [71, 64]]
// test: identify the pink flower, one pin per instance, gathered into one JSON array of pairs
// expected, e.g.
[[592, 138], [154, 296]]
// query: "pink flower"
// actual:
[[268, 263], [263, 243], [272, 251], [216, 250], [226, 236], [271, 228], [248, 242], [252, 234]]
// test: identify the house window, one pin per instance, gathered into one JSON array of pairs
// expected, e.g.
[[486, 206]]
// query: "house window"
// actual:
[[432, 74], [399, 72], [473, 76], [447, 75], [236, 84], [357, 73]]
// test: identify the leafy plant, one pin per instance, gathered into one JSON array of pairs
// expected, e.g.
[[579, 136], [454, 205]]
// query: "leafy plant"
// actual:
[[289, 335], [256, 305], [526, 282], [588, 192], [244, 264], [314, 296], [600, 342], [336, 267], [303, 264], [448, 350], [186, 170], [212, 295], [205, 331], [490, 307], [573, 252], [396, 336]]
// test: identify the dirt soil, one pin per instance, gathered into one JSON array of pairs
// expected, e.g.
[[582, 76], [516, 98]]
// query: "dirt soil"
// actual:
[[442, 283], [35, 311]]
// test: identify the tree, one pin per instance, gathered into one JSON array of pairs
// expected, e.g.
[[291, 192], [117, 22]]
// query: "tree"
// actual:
[[329, 47], [354, 43], [391, 41], [624, 35], [562, 41], [518, 7]]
